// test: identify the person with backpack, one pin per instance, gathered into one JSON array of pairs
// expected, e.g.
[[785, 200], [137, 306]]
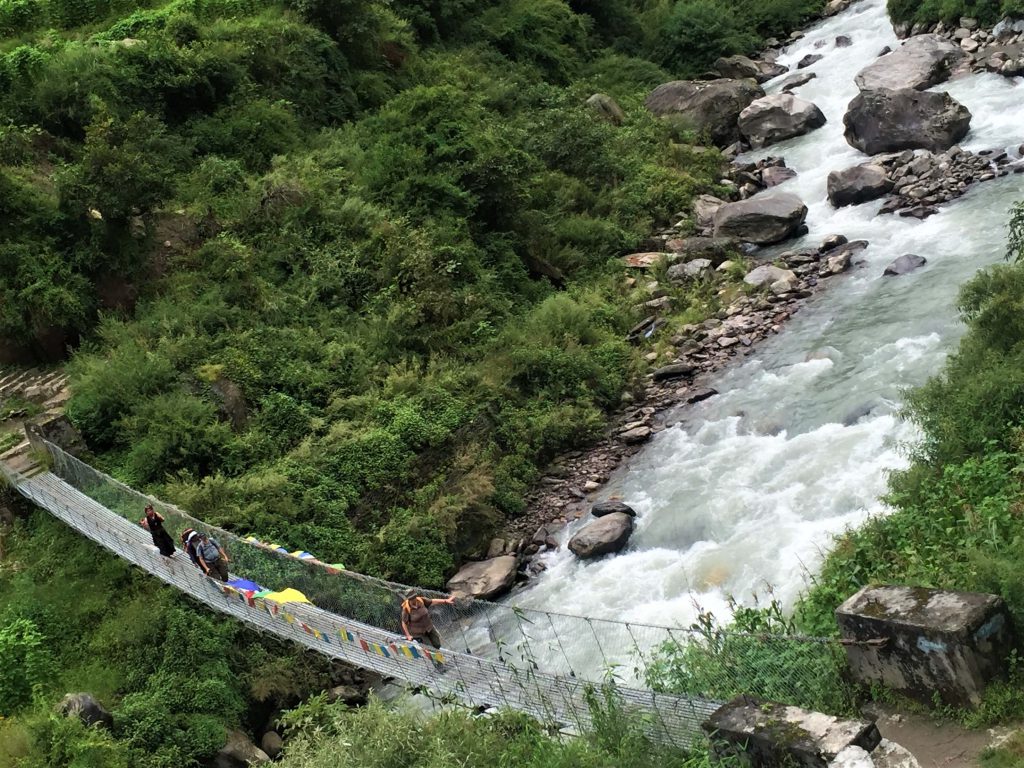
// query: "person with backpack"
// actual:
[[212, 557], [189, 540], [416, 622]]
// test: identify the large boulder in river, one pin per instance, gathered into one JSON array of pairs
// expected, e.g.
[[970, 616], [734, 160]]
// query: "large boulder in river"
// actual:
[[705, 106], [905, 264], [920, 63], [778, 117], [85, 707], [767, 218], [890, 121], [605, 535], [612, 506], [859, 184], [485, 579]]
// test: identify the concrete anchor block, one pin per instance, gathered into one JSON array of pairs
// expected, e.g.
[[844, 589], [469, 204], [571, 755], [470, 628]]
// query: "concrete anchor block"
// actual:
[[925, 643], [764, 734]]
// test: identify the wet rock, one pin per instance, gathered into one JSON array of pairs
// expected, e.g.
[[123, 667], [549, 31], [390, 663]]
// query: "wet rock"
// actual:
[[485, 579], [808, 60], [705, 106], [859, 184], [674, 371], [920, 63], [700, 395], [888, 121], [796, 80], [612, 507], [843, 41], [832, 241], [906, 263], [765, 219], [778, 117], [769, 70], [606, 107], [86, 708], [605, 535]]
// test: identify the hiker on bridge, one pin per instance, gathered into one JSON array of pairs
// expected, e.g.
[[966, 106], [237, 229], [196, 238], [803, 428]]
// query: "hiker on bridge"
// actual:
[[154, 523], [189, 542], [416, 622], [212, 557]]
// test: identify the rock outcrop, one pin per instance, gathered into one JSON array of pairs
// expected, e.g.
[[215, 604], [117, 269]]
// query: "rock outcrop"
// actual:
[[85, 707], [606, 107], [765, 219], [711, 106], [239, 752], [777, 279], [778, 117], [485, 579], [605, 535], [920, 63], [889, 121], [859, 184]]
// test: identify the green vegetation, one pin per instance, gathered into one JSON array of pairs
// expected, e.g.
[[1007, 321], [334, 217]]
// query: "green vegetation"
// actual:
[[759, 654], [987, 12], [372, 737], [346, 275], [958, 510], [174, 675]]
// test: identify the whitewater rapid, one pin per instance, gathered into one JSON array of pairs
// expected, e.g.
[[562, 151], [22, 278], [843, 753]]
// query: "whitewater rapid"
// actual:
[[747, 491]]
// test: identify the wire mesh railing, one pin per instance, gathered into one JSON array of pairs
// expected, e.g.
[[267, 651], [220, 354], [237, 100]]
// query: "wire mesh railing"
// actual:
[[700, 668]]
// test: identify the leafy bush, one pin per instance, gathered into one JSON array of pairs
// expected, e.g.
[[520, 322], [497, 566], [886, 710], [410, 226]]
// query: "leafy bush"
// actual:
[[26, 664]]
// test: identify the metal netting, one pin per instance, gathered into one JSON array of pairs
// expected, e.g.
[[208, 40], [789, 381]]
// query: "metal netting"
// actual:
[[535, 661]]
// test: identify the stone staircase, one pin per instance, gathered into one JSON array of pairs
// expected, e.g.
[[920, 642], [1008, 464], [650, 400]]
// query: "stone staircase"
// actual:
[[48, 390]]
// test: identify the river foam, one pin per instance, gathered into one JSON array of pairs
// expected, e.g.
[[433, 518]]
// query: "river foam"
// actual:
[[749, 488]]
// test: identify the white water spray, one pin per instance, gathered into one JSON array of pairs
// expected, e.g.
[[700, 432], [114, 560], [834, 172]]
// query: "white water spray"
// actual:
[[750, 488]]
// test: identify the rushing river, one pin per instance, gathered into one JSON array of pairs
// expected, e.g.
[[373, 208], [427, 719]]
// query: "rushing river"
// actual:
[[750, 487]]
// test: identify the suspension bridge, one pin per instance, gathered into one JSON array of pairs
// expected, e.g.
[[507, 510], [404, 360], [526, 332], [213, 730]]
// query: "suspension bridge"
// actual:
[[493, 655]]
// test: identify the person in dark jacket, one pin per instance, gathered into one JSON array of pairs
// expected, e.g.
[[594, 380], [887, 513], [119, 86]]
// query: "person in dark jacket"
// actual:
[[154, 522]]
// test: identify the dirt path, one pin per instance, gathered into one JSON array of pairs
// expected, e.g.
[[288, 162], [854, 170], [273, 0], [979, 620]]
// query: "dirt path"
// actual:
[[939, 744]]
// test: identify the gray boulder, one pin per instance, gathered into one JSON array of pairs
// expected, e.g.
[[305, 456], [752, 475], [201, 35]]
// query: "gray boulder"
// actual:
[[606, 107], [858, 184], [239, 752], [85, 707], [889, 121], [737, 67], [605, 535], [808, 60], [778, 117], [711, 106], [714, 249], [765, 219], [272, 744], [796, 80], [485, 579], [920, 63], [602, 508], [691, 270], [704, 209], [770, 275], [906, 263], [774, 175]]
